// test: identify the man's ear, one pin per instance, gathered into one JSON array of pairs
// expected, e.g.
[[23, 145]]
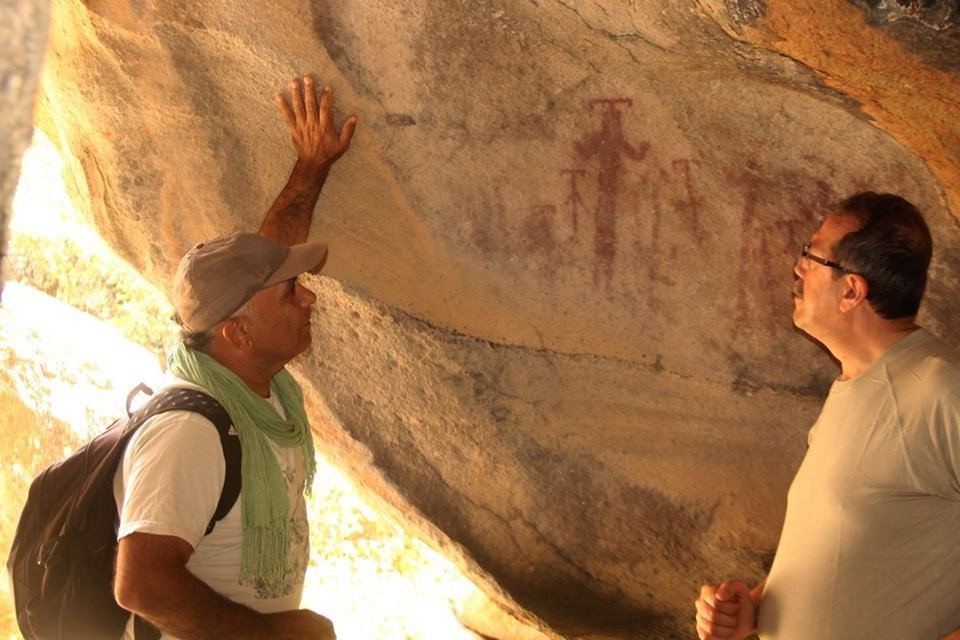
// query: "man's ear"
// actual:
[[235, 333], [855, 291]]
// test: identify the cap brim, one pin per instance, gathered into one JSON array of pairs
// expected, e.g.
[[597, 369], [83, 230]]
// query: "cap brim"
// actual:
[[308, 257]]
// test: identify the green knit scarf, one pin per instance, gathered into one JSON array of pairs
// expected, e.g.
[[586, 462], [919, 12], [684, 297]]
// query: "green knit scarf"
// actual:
[[265, 506]]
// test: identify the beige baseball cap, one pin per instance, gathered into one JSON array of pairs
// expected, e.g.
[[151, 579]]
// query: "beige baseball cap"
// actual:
[[217, 277]]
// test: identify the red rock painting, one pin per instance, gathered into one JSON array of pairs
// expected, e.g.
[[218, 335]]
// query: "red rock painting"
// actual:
[[574, 200], [609, 146]]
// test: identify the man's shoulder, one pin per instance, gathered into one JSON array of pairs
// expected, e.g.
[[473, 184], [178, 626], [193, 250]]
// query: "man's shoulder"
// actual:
[[929, 372], [177, 418], [164, 383], [937, 361]]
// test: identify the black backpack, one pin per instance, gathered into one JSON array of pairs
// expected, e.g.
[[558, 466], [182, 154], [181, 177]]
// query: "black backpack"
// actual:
[[62, 560]]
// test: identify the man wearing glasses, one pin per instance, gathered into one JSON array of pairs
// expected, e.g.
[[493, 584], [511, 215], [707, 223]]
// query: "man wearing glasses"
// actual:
[[870, 546]]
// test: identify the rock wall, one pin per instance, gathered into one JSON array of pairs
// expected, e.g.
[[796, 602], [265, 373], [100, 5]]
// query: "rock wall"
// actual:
[[554, 332], [23, 40]]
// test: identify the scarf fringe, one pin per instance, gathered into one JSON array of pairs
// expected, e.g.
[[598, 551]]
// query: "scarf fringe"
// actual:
[[265, 505], [268, 569]]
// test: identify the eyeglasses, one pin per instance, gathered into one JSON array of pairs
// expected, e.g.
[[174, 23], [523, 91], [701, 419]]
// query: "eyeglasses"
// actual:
[[805, 253]]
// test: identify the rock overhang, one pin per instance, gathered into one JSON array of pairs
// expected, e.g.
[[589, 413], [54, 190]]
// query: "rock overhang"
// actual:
[[563, 241]]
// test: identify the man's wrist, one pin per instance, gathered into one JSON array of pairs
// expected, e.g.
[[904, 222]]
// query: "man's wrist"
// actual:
[[312, 169]]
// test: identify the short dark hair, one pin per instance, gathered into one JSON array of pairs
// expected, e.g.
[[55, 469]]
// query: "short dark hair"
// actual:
[[196, 340], [891, 249]]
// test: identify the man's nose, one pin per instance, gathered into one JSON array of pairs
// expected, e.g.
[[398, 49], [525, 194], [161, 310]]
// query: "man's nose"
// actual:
[[305, 296], [800, 267]]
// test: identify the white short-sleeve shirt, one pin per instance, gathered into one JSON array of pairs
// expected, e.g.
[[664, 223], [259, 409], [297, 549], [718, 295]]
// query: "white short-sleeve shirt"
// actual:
[[169, 483]]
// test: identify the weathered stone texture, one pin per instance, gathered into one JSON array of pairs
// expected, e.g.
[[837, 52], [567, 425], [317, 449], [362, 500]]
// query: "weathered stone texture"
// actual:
[[939, 15], [23, 39], [560, 345]]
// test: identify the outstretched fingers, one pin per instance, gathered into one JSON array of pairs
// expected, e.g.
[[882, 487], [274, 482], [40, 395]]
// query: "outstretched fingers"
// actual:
[[310, 104], [346, 132], [325, 115], [296, 98], [310, 120], [284, 107]]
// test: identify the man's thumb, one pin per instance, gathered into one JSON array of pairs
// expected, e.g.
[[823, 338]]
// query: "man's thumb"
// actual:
[[728, 592]]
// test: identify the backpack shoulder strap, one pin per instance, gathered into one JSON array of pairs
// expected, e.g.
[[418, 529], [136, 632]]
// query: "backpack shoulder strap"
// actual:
[[183, 399]]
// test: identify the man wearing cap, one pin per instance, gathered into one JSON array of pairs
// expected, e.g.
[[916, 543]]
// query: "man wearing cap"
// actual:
[[244, 314], [869, 547]]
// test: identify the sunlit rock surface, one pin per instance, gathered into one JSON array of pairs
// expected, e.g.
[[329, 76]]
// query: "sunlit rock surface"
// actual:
[[23, 39], [555, 336]]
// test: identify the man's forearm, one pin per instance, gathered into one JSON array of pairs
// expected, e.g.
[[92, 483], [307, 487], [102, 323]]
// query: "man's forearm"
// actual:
[[288, 219], [187, 608], [182, 605], [319, 143]]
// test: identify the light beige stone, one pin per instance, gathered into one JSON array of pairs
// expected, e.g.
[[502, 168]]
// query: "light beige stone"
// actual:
[[23, 39], [554, 332]]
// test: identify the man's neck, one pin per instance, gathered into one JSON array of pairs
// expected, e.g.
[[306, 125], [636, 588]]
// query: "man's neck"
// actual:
[[259, 384], [251, 373], [866, 344]]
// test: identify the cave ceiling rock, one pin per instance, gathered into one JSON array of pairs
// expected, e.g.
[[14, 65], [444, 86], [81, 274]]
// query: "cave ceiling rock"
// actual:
[[554, 332]]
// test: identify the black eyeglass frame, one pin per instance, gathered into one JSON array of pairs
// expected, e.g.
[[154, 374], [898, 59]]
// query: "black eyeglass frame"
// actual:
[[805, 253]]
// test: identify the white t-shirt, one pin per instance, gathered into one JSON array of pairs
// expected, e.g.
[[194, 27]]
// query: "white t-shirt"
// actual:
[[169, 483], [870, 547]]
